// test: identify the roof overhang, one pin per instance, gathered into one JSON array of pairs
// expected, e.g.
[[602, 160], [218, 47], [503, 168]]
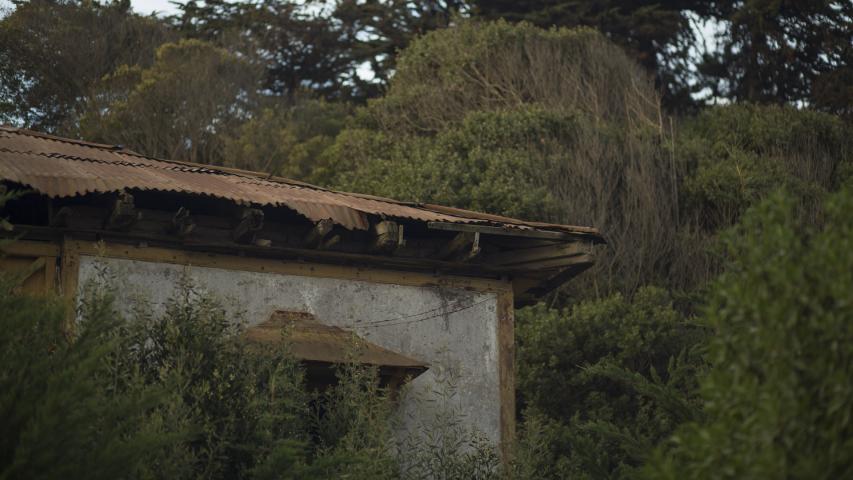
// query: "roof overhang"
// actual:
[[106, 192]]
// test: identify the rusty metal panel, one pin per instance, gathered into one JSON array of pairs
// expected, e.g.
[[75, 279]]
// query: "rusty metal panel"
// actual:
[[59, 167], [311, 340]]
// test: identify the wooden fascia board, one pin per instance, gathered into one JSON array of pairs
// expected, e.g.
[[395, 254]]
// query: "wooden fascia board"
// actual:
[[287, 266], [490, 230], [538, 254]]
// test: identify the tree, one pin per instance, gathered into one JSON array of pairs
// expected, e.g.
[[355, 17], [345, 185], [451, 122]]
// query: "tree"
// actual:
[[778, 397], [318, 46], [658, 35], [380, 29], [179, 108], [287, 141], [295, 43], [795, 52], [61, 416], [556, 125], [53, 52]]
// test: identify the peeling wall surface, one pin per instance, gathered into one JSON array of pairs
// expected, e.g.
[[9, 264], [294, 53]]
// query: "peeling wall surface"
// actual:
[[453, 331]]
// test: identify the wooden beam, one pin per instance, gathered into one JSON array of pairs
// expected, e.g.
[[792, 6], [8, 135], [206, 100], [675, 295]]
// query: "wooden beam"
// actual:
[[310, 263], [69, 270], [551, 263], [251, 221], [489, 230], [24, 248], [526, 255], [123, 214], [506, 373]]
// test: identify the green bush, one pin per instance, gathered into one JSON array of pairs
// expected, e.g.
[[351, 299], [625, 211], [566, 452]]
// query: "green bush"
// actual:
[[602, 383], [181, 394], [779, 398], [244, 404], [492, 161], [61, 415], [739, 154]]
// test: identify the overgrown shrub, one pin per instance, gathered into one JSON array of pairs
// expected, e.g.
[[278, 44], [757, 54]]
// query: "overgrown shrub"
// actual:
[[60, 415], [182, 394], [739, 154], [603, 382], [779, 398]]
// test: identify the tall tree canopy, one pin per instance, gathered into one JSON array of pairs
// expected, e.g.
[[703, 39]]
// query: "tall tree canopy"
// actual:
[[53, 52], [658, 35], [182, 107], [796, 52], [766, 51], [344, 49]]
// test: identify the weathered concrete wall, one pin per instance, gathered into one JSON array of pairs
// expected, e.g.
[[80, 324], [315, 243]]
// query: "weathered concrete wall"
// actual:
[[454, 331]]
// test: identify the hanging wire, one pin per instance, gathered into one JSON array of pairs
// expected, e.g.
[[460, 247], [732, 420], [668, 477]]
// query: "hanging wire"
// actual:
[[402, 320]]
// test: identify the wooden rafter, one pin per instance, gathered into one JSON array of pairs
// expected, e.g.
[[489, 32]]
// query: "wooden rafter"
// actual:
[[182, 223], [250, 222], [387, 237]]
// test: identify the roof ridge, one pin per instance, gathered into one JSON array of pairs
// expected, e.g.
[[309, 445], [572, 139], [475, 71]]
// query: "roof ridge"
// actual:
[[47, 136], [218, 168]]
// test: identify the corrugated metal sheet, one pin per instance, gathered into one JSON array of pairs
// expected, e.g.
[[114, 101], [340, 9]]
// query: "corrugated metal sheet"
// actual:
[[59, 167], [314, 341]]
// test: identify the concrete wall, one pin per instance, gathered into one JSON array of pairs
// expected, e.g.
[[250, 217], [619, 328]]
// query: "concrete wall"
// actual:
[[454, 331]]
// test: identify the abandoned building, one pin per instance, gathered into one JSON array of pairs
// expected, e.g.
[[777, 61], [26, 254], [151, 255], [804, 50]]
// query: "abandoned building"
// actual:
[[429, 289]]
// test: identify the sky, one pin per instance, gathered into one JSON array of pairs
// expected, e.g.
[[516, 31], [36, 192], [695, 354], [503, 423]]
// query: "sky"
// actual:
[[150, 6]]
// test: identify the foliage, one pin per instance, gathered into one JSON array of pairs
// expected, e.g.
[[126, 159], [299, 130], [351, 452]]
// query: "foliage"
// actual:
[[179, 108], [287, 141], [175, 391], [739, 154], [605, 381], [659, 35], [551, 125], [793, 52], [294, 45], [245, 403], [466, 166], [317, 46], [61, 415], [441, 445], [53, 52], [378, 30], [778, 398]]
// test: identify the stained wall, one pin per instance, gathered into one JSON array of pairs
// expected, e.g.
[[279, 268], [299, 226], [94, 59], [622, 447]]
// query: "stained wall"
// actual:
[[453, 330]]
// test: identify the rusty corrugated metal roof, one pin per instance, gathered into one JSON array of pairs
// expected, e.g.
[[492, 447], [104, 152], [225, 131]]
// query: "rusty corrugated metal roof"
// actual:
[[314, 341], [59, 167]]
